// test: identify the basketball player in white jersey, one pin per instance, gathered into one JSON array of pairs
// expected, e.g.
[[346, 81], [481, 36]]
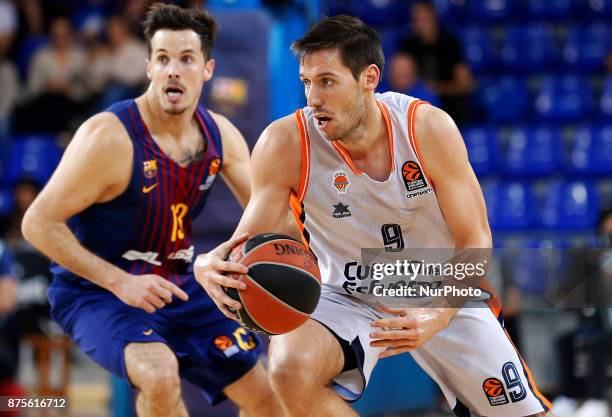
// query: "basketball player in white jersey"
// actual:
[[338, 164]]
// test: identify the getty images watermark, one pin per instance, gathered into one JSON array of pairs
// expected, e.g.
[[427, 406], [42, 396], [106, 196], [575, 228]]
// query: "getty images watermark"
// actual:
[[417, 277], [412, 270], [548, 277]]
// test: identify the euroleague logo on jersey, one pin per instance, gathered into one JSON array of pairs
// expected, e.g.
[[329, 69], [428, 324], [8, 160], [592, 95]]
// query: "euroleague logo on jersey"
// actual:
[[341, 182], [413, 177], [215, 164], [495, 392]]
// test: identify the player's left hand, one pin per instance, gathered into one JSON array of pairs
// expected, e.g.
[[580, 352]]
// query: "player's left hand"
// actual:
[[409, 329]]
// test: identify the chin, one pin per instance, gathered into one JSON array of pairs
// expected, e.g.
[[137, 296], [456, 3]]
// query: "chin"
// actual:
[[175, 111]]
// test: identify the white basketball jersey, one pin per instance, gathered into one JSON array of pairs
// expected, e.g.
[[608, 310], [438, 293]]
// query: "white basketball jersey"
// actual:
[[341, 210]]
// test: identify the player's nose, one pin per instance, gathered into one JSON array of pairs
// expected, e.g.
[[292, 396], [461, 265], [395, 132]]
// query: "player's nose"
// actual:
[[313, 98], [173, 70]]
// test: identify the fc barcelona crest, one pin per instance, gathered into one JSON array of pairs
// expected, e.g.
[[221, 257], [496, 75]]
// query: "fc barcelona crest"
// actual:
[[150, 168]]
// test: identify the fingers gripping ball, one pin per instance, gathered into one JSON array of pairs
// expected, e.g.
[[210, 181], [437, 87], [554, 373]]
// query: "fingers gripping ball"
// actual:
[[283, 283]]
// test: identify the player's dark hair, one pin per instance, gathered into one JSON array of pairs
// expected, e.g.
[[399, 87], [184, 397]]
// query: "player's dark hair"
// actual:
[[358, 43], [173, 17]]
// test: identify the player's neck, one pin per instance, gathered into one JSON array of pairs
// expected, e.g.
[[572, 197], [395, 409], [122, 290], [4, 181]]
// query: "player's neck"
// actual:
[[157, 120], [370, 132]]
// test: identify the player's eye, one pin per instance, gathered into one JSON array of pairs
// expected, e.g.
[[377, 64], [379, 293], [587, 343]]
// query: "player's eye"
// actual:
[[327, 82], [187, 59], [163, 59]]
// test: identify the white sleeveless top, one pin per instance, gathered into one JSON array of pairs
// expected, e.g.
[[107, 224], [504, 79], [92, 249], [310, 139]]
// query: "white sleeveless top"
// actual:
[[341, 210]]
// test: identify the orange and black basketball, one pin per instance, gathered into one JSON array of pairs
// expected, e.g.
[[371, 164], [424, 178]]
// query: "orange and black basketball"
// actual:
[[283, 283]]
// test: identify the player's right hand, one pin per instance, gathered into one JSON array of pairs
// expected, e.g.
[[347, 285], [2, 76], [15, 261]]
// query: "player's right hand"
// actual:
[[148, 292], [209, 270]]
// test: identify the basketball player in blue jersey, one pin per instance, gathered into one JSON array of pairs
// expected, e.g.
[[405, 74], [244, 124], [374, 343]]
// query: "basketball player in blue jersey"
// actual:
[[367, 170], [116, 219]]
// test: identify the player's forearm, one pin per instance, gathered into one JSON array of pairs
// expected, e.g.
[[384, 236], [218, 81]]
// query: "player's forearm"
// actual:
[[56, 241]]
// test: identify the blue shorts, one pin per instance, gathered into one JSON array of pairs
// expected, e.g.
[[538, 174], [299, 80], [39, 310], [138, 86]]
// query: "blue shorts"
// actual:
[[213, 351]]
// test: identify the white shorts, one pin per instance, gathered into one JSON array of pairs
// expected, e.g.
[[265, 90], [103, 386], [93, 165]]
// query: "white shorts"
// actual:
[[472, 360]]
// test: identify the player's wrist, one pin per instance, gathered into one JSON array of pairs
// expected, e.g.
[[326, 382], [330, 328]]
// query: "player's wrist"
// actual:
[[113, 280]]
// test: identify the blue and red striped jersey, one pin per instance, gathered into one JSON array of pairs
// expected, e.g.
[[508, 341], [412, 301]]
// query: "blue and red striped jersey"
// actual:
[[147, 229]]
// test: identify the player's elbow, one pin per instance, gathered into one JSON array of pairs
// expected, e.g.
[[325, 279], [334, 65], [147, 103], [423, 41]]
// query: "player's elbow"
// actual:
[[31, 225]]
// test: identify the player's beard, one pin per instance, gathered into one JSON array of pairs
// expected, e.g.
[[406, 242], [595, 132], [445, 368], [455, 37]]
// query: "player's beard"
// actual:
[[354, 114]]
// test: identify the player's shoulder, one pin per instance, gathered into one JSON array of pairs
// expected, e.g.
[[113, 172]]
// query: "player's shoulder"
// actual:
[[396, 102], [434, 120], [221, 121], [103, 132], [281, 138], [437, 133]]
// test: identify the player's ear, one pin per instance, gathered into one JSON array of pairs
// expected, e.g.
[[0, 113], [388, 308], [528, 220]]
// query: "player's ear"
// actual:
[[148, 65], [371, 77], [209, 69]]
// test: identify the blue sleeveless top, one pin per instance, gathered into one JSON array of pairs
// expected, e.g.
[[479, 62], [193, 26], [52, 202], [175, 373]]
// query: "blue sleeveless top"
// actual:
[[147, 229]]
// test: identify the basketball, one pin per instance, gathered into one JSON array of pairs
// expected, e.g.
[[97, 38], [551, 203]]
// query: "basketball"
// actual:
[[283, 283]]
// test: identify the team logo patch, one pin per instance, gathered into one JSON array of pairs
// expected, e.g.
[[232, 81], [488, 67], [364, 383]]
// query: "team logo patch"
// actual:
[[226, 345], [495, 392], [150, 168], [341, 211], [341, 182], [215, 164], [213, 169], [413, 176]]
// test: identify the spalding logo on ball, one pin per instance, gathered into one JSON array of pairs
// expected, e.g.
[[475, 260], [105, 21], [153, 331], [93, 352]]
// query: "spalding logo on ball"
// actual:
[[283, 283]]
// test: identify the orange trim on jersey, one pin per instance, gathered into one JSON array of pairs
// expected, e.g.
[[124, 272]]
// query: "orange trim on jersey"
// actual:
[[305, 150], [532, 384], [385, 113], [296, 199], [494, 301], [347, 158], [412, 135], [494, 304], [296, 209]]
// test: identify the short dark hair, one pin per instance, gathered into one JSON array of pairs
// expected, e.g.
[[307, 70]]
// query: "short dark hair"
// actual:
[[173, 17], [358, 43]]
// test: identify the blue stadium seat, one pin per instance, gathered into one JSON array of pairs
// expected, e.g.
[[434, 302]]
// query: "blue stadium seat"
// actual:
[[509, 205], [390, 40], [539, 267], [381, 13], [592, 151], [564, 98], [586, 46], [569, 205], [600, 8], [450, 11], [548, 10], [27, 50], [494, 10], [336, 7], [233, 4], [482, 146], [605, 101], [6, 201], [506, 99], [530, 48], [33, 156], [477, 47], [533, 152]]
